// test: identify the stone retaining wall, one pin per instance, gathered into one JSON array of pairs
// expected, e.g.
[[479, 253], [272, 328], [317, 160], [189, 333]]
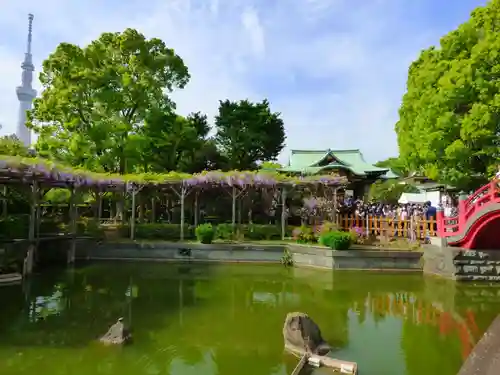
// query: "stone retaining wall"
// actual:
[[485, 357], [184, 252], [302, 255], [462, 265], [356, 259]]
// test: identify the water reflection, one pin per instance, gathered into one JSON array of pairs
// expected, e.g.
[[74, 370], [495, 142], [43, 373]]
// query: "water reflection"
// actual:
[[44, 306], [275, 299], [228, 319]]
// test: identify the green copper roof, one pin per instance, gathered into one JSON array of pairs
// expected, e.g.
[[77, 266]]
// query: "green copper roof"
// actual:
[[313, 161], [389, 175], [303, 159]]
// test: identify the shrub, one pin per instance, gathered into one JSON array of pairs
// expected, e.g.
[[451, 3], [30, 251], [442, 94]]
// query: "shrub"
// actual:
[[225, 232], [88, 227], [160, 231], [336, 240], [15, 226], [359, 236], [205, 233], [259, 232], [287, 258], [304, 234], [325, 227]]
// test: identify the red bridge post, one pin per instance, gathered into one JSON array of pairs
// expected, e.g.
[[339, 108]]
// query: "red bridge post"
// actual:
[[440, 221], [462, 210]]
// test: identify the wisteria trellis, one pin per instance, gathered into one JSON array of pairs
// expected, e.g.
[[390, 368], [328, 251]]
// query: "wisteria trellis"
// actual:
[[28, 168]]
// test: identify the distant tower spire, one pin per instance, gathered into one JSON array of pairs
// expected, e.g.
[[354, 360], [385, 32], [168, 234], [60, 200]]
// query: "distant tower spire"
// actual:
[[25, 92]]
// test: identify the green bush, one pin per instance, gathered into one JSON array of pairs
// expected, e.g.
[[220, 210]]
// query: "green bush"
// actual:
[[51, 227], [162, 231], [225, 232], [259, 232], [157, 231], [17, 227], [205, 233], [90, 227], [13, 227], [325, 227], [336, 240], [304, 234]]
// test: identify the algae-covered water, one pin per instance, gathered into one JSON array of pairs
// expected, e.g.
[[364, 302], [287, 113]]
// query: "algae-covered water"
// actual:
[[227, 320]]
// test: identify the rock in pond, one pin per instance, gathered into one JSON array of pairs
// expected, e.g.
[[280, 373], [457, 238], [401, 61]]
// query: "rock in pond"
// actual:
[[117, 334], [302, 335]]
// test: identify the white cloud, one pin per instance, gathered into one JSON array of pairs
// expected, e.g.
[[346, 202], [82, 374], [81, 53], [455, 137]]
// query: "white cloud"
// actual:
[[335, 71], [255, 31]]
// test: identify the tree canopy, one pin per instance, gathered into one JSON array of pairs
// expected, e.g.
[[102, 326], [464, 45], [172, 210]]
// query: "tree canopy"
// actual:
[[248, 133], [105, 107], [449, 122], [12, 146], [95, 99], [396, 165], [389, 191]]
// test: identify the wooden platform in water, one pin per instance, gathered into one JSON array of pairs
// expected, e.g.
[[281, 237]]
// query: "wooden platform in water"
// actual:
[[10, 278], [337, 366], [55, 237]]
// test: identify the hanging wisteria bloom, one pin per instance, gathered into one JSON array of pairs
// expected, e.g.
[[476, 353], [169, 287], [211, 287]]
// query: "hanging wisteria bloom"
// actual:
[[26, 168]]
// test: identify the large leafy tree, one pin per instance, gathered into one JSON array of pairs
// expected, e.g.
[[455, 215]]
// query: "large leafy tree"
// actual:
[[169, 142], [389, 191], [396, 165], [449, 122], [95, 99], [248, 133], [12, 146]]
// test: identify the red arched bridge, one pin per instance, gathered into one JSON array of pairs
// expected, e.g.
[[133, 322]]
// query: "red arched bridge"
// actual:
[[477, 225]]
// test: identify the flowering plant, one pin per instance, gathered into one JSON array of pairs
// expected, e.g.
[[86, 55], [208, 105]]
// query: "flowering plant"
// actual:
[[358, 235], [11, 166], [304, 234], [316, 208]]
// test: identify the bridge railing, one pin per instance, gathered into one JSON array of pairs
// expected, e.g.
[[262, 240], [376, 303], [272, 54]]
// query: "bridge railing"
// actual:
[[390, 227], [467, 207]]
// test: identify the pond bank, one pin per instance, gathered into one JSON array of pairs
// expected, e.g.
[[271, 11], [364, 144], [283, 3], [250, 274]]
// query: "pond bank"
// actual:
[[302, 255]]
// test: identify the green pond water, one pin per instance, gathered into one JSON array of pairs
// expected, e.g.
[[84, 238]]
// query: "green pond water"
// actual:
[[227, 320]]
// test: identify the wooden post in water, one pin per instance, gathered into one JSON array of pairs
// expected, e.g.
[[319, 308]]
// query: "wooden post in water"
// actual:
[[196, 211], [132, 216], [183, 219], [233, 213], [5, 202], [72, 226], [182, 194], [335, 203], [283, 213], [99, 206], [30, 256]]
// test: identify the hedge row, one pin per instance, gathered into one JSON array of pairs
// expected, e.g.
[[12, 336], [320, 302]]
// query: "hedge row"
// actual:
[[172, 232], [15, 227]]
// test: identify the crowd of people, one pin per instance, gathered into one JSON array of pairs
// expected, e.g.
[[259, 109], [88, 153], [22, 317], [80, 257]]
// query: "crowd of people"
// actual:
[[360, 208]]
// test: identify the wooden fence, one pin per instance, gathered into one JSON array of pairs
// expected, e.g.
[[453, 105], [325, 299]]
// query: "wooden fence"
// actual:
[[383, 226]]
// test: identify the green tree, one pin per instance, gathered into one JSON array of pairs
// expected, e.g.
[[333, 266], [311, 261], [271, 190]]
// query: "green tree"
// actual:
[[396, 165], [169, 142], [270, 165], [248, 133], [11, 145], [450, 116], [95, 99], [203, 153], [389, 191]]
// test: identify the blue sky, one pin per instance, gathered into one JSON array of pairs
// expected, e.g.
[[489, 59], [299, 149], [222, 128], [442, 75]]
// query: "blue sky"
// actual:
[[335, 69]]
